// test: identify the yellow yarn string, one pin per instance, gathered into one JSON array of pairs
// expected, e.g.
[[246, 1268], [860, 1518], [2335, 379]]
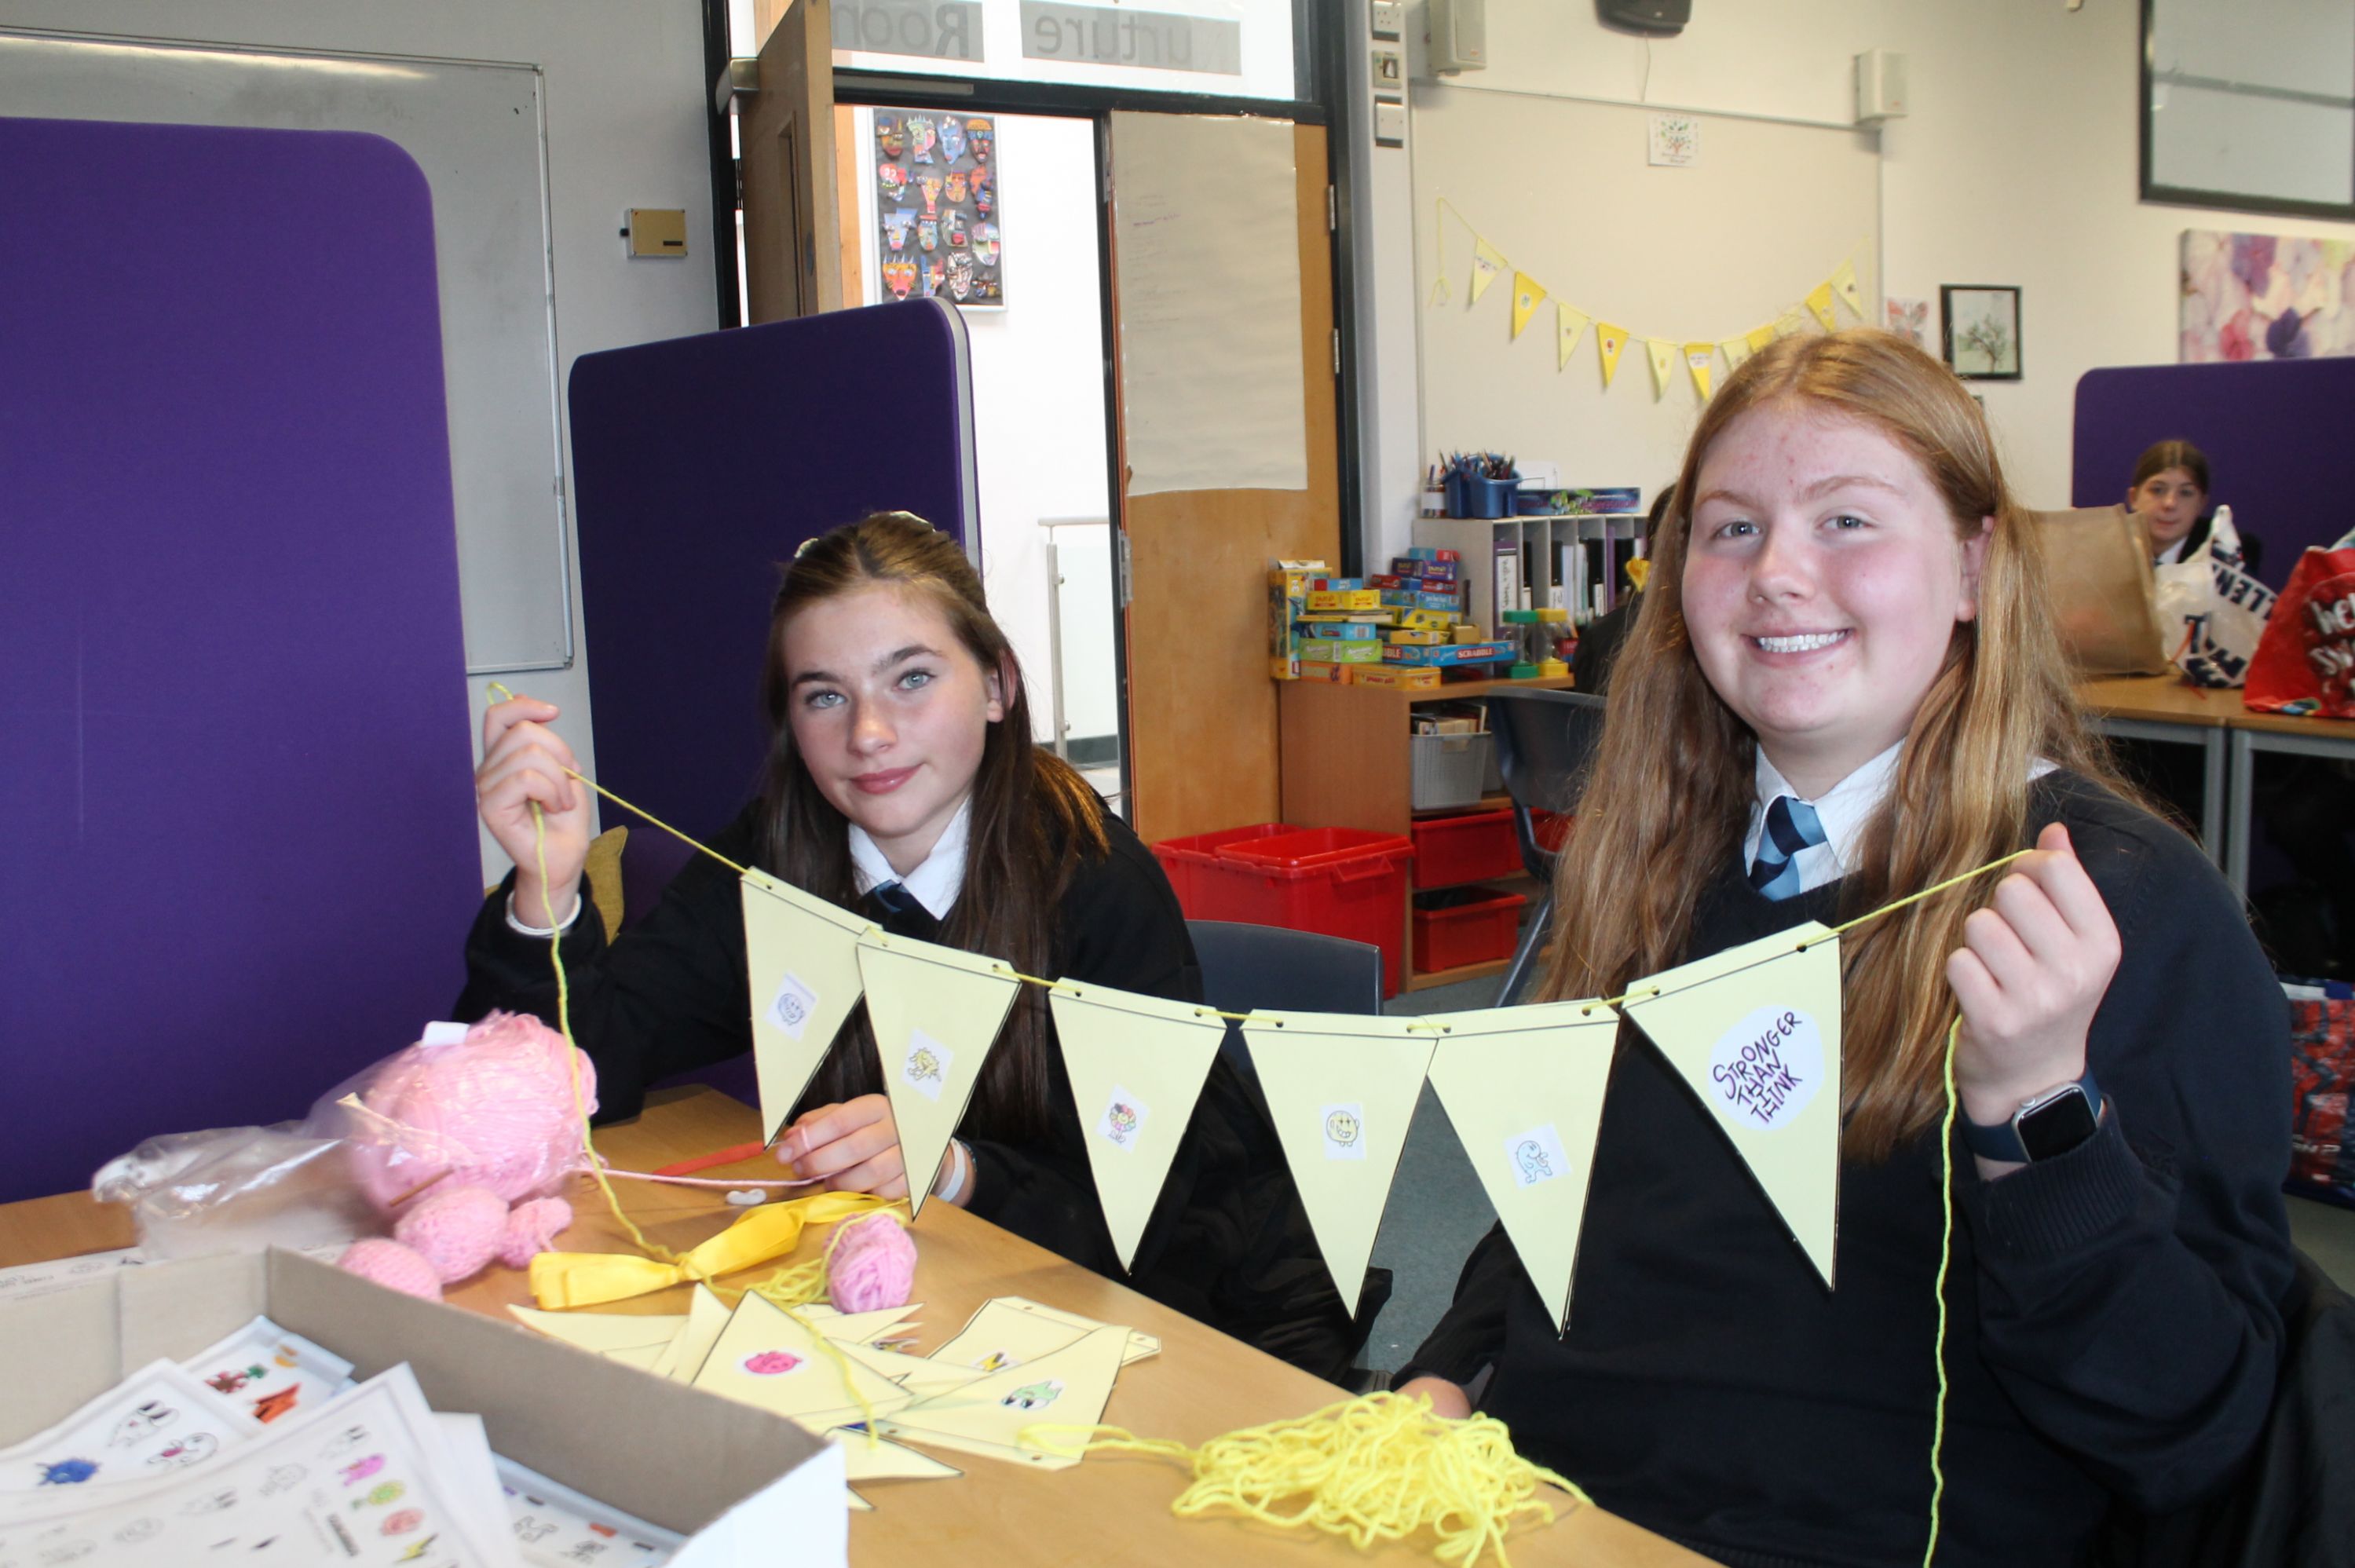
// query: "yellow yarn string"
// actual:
[[1380, 1467], [1945, 1257]]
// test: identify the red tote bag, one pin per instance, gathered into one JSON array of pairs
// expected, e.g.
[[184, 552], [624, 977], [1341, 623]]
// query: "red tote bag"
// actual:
[[2305, 662]]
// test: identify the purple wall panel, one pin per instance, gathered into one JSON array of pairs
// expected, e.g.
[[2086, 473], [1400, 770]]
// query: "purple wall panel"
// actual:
[[701, 464], [2276, 433], [233, 731]]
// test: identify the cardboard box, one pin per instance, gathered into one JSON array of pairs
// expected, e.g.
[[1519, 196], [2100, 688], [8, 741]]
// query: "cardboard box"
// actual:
[[1456, 653], [739, 1481], [1405, 600], [1426, 620], [1345, 598], [1325, 670], [1287, 598], [1326, 650], [1412, 676], [1408, 636]]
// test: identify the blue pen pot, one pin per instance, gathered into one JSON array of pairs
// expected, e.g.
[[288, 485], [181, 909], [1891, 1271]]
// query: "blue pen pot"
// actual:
[[1492, 497], [1452, 489]]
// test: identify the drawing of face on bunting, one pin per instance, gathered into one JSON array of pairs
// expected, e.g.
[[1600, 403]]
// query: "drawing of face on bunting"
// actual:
[[1342, 1090], [935, 1012], [1755, 1030]]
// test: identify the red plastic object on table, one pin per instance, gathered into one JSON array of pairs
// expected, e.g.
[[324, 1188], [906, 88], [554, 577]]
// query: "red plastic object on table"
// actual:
[[1470, 847], [1340, 881], [1202, 896], [1464, 925]]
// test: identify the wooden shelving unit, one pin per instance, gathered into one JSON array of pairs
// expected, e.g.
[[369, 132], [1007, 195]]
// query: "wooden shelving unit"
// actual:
[[1347, 763]]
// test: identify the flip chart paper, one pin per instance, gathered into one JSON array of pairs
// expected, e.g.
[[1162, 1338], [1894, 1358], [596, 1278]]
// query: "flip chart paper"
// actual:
[[1067, 1387], [802, 959], [1524, 1089], [1137, 1064], [1755, 1030], [935, 1011], [1342, 1089]]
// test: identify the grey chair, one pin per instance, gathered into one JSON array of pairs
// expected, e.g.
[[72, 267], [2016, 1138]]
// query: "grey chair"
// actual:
[[1248, 967], [1544, 741]]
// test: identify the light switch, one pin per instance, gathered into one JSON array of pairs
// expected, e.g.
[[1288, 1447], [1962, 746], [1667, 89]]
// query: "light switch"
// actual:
[[656, 231], [1390, 124], [1390, 18]]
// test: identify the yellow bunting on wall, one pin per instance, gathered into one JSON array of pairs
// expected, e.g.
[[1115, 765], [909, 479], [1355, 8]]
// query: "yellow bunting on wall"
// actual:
[[1608, 341], [1136, 1064], [1844, 284], [1736, 349], [935, 1011], [1819, 300], [1791, 325], [1342, 1088], [802, 963], [1759, 338], [1664, 364], [1523, 1088], [1569, 327], [1486, 263], [1756, 1031], [1701, 358], [1528, 293]]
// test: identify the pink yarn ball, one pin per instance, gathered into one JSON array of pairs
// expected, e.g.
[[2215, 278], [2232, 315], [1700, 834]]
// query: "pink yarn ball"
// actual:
[[392, 1265], [456, 1230], [496, 1110], [532, 1229], [872, 1264]]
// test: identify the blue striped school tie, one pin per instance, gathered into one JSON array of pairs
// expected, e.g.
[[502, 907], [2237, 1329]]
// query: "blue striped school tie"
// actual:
[[1791, 827]]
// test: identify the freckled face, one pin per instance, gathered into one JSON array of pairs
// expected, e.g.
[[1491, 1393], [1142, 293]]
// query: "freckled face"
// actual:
[[2169, 503], [1822, 586], [888, 712]]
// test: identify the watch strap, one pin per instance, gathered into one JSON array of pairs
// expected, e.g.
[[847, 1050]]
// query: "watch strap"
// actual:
[[2002, 1141]]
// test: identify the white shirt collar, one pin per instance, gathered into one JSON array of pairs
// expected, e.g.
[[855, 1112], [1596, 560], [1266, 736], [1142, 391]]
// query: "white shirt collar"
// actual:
[[936, 883], [1843, 810]]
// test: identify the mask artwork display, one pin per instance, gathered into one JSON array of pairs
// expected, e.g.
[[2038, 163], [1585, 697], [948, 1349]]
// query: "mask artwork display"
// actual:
[[951, 246]]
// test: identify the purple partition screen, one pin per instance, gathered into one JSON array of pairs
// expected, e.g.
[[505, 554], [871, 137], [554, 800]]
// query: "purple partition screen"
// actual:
[[2274, 431], [701, 464], [233, 736]]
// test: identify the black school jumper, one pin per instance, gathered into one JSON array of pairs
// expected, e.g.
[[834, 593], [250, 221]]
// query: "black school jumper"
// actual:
[[1229, 1242], [2113, 1322]]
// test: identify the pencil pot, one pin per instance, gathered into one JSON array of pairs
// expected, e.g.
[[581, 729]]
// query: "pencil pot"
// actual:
[[1491, 497], [1451, 489], [1340, 881]]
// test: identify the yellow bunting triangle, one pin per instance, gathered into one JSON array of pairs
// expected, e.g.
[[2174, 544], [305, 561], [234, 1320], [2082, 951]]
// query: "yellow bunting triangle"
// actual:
[[1523, 1088], [1664, 365], [1608, 341], [1845, 285], [988, 1416], [1569, 327], [1701, 358], [1342, 1089], [1486, 263], [936, 1012], [1791, 325], [1736, 349], [707, 1317], [1760, 336], [767, 1356], [802, 960], [1527, 294], [1819, 300], [1136, 1066], [1755, 1030]]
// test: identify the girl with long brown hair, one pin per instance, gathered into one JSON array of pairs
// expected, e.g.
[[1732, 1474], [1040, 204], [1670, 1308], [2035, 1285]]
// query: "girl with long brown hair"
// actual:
[[902, 781], [1843, 688]]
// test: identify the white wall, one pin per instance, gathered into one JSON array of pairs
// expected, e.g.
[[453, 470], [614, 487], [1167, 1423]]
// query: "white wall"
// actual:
[[625, 95], [2017, 166]]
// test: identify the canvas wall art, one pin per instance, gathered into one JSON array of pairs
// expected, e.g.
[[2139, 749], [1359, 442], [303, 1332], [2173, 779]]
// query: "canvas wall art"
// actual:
[[2265, 296]]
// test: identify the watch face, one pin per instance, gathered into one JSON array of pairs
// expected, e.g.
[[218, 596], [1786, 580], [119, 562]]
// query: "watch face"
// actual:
[[2058, 1125]]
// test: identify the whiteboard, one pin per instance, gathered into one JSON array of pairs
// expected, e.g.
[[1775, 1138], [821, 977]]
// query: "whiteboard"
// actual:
[[1564, 189], [477, 131]]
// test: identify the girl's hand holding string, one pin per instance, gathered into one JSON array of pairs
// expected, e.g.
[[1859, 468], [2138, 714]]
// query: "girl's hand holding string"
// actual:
[[523, 763], [2033, 966], [855, 1148]]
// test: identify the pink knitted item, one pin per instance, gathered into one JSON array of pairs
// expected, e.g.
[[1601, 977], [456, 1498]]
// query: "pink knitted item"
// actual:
[[871, 1264], [392, 1265], [532, 1229], [456, 1230], [496, 1110]]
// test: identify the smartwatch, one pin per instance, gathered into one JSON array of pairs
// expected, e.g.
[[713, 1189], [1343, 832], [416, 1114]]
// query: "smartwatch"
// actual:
[[2046, 1126]]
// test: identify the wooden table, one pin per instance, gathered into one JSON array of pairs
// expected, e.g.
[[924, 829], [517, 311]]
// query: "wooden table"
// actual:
[[1111, 1508]]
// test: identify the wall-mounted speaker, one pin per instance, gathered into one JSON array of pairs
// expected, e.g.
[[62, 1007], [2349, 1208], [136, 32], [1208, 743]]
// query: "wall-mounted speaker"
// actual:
[[1653, 18], [1459, 34]]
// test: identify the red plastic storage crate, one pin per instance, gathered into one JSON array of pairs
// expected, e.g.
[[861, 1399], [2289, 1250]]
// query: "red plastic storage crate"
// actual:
[[1342, 881], [1467, 849], [1204, 896], [1464, 925]]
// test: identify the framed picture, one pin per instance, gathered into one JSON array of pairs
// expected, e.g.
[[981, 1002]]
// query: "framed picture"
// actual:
[[1981, 325]]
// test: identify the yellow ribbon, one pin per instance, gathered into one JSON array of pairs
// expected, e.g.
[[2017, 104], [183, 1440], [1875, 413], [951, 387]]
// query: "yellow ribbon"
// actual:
[[562, 1280]]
